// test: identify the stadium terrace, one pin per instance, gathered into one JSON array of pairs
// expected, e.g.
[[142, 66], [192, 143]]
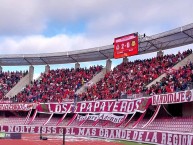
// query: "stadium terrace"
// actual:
[[145, 101]]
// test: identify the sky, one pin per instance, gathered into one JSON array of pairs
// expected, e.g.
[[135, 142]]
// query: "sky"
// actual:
[[46, 26]]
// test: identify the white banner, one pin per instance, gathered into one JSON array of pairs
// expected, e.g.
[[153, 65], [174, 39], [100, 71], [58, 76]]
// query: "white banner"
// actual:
[[16, 107], [172, 98], [103, 116], [93, 117]]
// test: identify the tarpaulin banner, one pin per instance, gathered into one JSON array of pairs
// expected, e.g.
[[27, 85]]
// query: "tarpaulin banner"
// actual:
[[59, 108], [172, 98], [102, 116], [142, 136], [113, 106], [103, 106], [16, 107]]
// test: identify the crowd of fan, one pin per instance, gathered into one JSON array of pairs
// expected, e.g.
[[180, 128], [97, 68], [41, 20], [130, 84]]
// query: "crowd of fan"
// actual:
[[175, 80], [57, 85], [8, 80], [132, 77], [126, 79]]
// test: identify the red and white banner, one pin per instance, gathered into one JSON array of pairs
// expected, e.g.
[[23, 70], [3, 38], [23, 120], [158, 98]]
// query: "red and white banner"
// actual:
[[103, 116], [172, 98], [113, 106], [123, 106], [142, 136], [126, 45], [16, 107], [104, 106], [58, 108]]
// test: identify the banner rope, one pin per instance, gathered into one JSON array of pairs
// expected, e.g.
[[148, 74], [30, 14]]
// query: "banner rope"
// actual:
[[167, 111]]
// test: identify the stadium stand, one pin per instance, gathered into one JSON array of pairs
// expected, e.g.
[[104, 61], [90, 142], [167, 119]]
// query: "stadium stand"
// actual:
[[57, 85], [182, 124], [175, 81], [148, 96], [130, 78], [13, 120], [8, 80]]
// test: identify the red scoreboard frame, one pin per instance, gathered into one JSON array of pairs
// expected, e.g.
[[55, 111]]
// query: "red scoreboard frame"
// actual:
[[126, 45]]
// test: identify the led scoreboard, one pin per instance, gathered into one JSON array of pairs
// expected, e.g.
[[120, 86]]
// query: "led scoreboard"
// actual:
[[126, 45]]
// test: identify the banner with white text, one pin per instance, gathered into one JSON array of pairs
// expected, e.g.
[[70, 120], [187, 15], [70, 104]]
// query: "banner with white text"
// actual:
[[104, 106], [172, 98], [142, 136], [16, 107]]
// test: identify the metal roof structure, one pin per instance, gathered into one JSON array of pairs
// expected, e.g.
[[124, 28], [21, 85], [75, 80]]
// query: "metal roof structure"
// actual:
[[166, 40]]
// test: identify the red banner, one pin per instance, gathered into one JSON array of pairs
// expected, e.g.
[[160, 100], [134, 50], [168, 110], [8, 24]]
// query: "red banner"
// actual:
[[58, 108], [113, 106], [172, 98], [104, 106], [126, 45], [142, 136], [16, 107]]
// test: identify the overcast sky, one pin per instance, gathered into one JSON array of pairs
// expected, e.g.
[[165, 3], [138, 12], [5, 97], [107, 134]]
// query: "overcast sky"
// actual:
[[43, 26]]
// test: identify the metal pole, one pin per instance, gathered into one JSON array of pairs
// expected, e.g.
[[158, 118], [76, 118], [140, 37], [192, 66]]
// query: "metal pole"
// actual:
[[41, 133], [64, 132]]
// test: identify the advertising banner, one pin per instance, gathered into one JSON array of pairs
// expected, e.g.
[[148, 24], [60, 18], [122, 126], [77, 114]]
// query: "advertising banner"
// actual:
[[4, 135]]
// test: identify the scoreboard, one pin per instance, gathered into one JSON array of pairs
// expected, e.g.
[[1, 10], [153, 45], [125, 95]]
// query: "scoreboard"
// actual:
[[126, 45]]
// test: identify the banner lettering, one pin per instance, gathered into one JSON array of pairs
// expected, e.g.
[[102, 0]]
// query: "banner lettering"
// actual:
[[113, 106], [143, 136], [105, 106], [16, 107], [58, 108], [171, 98], [103, 116]]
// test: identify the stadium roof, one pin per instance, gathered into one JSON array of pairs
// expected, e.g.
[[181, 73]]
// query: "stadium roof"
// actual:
[[166, 40]]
